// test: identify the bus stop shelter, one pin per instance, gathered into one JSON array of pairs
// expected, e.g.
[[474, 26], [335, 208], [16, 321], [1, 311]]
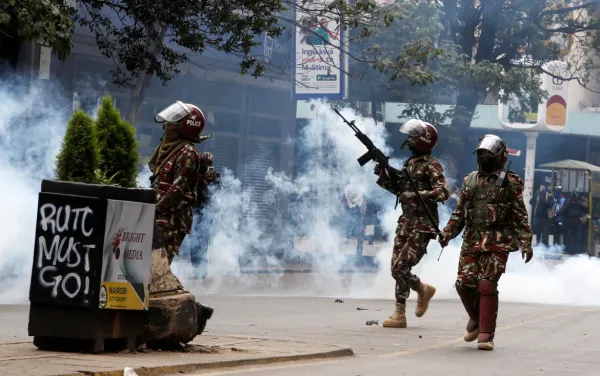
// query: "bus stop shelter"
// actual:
[[583, 179]]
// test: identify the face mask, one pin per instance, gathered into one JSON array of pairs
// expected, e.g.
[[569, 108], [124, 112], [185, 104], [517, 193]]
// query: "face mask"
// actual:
[[411, 143], [487, 163]]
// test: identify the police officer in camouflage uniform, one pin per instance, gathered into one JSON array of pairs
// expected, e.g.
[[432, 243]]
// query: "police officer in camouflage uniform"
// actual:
[[493, 215], [176, 172], [415, 230]]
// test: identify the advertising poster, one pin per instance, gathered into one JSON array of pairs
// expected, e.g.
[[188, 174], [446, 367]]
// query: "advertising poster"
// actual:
[[127, 252], [318, 52]]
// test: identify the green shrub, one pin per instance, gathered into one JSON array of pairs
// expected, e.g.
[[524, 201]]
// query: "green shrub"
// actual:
[[117, 146], [78, 158]]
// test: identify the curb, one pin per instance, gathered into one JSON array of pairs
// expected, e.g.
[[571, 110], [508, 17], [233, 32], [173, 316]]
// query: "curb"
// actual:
[[185, 368]]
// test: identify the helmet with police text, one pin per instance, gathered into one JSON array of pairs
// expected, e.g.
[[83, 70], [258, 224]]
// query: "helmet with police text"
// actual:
[[189, 119], [492, 153], [422, 136]]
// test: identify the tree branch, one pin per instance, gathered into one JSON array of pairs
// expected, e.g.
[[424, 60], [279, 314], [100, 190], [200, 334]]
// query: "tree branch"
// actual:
[[564, 11]]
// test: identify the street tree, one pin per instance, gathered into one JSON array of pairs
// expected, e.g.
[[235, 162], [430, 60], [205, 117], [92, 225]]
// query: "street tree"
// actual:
[[154, 38], [489, 46], [21, 21]]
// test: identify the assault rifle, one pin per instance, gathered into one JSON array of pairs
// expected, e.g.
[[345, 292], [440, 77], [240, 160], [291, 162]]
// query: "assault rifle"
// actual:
[[374, 154], [424, 205]]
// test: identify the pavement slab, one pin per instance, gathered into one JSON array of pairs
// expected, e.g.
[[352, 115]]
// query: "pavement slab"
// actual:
[[23, 358]]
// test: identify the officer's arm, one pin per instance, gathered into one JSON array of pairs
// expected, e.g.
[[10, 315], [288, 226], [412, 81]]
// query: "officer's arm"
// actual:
[[385, 182], [439, 189], [518, 212], [457, 219], [184, 185]]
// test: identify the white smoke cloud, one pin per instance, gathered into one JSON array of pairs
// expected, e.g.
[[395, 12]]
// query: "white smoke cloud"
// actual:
[[317, 192], [30, 136]]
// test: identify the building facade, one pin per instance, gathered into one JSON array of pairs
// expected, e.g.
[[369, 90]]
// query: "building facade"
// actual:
[[250, 118]]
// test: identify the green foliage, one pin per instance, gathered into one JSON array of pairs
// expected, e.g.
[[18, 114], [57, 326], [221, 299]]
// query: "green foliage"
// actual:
[[156, 37], [189, 27], [101, 178], [78, 158], [486, 48], [117, 147], [34, 20], [404, 53]]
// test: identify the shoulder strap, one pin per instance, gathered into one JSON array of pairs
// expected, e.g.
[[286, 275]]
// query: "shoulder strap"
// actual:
[[471, 179]]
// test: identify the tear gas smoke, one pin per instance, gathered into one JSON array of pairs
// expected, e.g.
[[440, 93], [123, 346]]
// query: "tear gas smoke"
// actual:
[[313, 212], [329, 164], [31, 132]]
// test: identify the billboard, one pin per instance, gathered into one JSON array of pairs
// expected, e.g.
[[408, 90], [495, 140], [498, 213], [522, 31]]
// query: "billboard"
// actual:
[[126, 255], [318, 57]]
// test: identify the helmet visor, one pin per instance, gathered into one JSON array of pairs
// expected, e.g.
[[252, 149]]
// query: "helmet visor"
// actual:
[[173, 113], [412, 127], [491, 143]]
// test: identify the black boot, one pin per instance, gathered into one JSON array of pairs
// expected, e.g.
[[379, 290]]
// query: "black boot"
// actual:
[[204, 313]]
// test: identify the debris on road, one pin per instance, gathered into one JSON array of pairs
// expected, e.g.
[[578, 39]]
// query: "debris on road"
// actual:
[[339, 301], [129, 372], [201, 349], [373, 322]]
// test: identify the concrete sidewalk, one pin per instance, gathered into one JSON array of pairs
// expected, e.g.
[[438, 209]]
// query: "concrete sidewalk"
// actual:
[[23, 358]]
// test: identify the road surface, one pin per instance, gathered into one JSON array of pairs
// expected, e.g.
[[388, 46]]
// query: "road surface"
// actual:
[[531, 339]]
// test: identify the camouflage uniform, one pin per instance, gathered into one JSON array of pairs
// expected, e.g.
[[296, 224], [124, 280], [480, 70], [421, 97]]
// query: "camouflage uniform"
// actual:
[[415, 229], [495, 223], [175, 184]]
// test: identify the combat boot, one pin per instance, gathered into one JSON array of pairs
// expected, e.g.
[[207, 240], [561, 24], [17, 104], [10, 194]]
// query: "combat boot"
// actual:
[[398, 318], [469, 301], [426, 292], [488, 312]]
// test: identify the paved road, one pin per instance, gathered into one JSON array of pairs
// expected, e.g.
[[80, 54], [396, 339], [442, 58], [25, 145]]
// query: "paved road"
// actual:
[[531, 339]]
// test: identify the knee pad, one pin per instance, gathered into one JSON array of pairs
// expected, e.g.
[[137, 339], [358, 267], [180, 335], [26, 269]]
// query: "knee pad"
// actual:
[[486, 287], [460, 286]]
